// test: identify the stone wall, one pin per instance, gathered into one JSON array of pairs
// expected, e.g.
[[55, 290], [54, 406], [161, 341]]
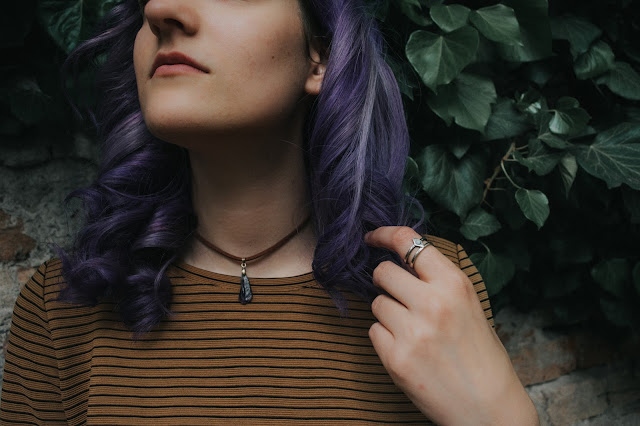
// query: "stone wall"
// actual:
[[574, 377]]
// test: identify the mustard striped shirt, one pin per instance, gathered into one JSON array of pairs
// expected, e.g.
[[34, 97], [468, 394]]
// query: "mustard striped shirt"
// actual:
[[286, 357]]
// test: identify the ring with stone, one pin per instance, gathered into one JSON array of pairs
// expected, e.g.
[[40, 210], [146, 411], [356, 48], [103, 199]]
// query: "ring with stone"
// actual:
[[420, 244]]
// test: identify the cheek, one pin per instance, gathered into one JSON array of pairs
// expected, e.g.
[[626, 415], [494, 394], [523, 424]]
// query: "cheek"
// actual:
[[143, 55], [274, 67]]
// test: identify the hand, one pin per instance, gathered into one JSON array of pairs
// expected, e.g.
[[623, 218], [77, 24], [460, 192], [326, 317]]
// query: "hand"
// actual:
[[434, 340]]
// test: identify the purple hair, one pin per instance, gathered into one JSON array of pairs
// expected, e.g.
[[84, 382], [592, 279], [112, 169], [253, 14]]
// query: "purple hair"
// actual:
[[139, 214]]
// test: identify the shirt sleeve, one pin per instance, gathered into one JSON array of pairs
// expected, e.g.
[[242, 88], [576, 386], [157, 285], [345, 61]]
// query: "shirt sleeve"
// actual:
[[31, 385], [478, 283]]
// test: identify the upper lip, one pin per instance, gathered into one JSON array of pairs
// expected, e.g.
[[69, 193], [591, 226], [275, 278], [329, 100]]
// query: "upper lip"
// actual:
[[175, 58]]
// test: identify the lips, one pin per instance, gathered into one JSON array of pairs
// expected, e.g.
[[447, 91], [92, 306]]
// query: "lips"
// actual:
[[174, 58]]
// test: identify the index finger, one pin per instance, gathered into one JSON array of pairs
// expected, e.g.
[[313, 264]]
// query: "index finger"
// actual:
[[429, 265]]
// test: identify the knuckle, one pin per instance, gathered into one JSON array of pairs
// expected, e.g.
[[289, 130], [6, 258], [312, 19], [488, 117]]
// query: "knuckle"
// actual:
[[461, 286], [382, 270], [375, 305], [421, 334], [374, 329], [401, 236]]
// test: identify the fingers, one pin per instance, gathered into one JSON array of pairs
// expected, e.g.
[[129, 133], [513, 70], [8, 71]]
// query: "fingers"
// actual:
[[390, 313], [382, 340], [399, 283], [430, 263]]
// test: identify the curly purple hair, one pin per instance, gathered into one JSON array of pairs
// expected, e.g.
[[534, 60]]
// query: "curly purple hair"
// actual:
[[139, 214]]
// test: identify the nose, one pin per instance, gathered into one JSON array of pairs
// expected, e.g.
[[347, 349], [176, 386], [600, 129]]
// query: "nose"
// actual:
[[167, 17]]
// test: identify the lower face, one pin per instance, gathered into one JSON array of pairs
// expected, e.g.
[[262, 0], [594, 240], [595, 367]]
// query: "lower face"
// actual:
[[256, 56]]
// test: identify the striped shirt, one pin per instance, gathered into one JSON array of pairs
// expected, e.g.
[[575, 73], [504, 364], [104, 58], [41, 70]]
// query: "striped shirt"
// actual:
[[285, 358]]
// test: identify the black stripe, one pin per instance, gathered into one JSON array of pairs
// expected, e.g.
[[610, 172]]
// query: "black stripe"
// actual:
[[252, 406], [17, 369], [148, 387], [240, 337], [27, 388], [314, 399], [245, 417], [248, 376], [97, 357]]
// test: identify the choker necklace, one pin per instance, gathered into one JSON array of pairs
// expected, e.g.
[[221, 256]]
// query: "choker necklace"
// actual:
[[245, 294]]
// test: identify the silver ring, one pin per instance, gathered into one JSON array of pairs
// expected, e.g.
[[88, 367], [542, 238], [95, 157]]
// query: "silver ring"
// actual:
[[420, 244]]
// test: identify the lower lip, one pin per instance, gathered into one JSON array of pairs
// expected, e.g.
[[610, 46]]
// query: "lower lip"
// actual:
[[176, 69]]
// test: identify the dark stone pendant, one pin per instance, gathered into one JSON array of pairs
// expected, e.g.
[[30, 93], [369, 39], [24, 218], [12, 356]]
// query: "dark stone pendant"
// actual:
[[245, 295]]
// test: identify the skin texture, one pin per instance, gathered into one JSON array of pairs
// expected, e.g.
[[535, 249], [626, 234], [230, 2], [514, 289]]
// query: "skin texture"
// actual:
[[434, 340], [256, 55], [242, 123]]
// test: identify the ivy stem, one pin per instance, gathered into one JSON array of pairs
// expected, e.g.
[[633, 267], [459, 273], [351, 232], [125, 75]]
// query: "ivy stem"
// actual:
[[496, 172], [485, 246], [509, 177]]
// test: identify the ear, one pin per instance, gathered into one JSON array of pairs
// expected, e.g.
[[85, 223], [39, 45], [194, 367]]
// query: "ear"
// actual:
[[315, 76]]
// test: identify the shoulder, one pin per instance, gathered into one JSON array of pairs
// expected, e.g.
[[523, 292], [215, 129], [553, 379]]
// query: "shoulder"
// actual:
[[450, 249], [45, 281]]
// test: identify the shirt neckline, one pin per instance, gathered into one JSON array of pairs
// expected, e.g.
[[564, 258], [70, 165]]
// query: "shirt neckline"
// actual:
[[215, 276]]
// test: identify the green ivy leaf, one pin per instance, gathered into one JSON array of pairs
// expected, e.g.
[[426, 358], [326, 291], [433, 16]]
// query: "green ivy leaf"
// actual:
[[597, 60], [438, 59], [619, 313], [411, 181], [505, 121], [530, 102], [568, 118], [636, 277], [405, 76], [479, 223], [104, 6], [612, 275], [496, 270], [623, 81], [540, 159], [450, 18], [568, 167], [456, 185], [534, 204], [546, 136], [63, 20], [539, 73], [614, 156], [467, 101], [459, 148], [413, 9], [577, 31], [497, 23], [532, 16]]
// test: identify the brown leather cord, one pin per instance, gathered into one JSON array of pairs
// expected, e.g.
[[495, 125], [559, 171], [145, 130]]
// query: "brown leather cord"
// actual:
[[255, 256]]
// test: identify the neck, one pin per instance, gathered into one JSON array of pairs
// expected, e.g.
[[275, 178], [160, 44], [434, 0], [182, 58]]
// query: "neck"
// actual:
[[248, 194]]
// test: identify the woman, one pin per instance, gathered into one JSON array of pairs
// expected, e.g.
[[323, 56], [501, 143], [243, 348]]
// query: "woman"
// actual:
[[246, 141]]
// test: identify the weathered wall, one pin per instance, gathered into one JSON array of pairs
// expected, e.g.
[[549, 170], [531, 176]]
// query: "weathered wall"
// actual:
[[574, 377]]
